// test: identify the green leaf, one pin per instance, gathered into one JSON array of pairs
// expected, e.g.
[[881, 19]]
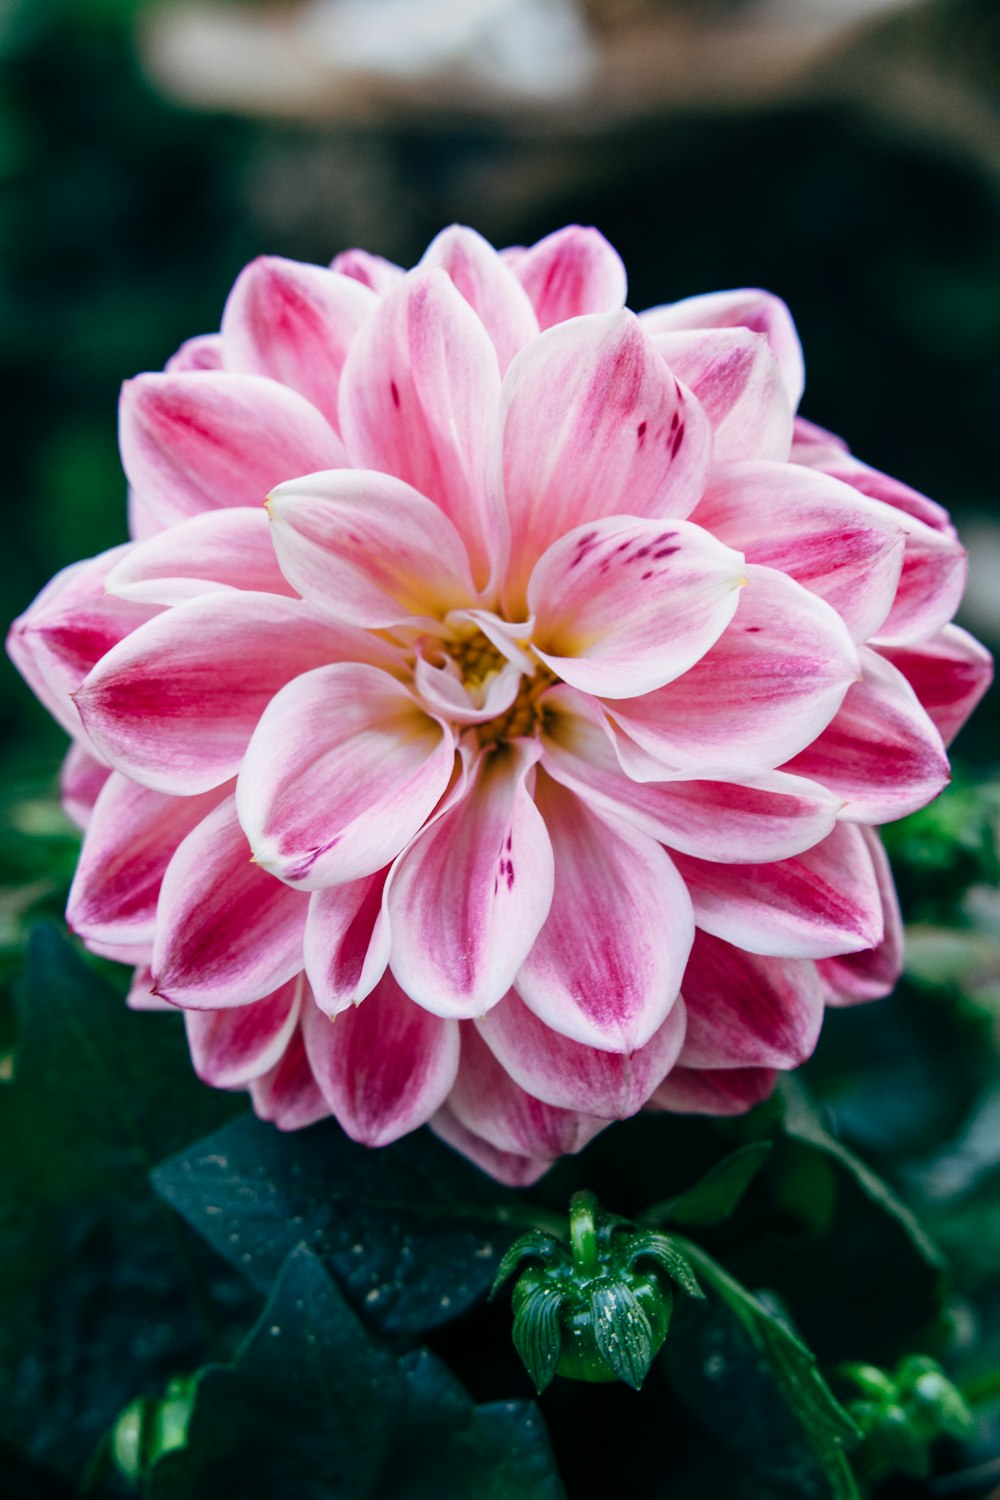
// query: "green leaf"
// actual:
[[621, 1331], [103, 1294], [717, 1194], [664, 1250], [536, 1245], [412, 1232], [537, 1334], [315, 1408]]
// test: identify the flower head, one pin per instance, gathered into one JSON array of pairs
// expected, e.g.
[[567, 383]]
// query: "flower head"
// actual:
[[562, 670]]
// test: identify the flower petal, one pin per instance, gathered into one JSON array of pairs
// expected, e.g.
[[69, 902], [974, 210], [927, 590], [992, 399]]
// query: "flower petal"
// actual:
[[466, 901], [749, 1012], [738, 381], [594, 425], [368, 548], [203, 352], [346, 942], [289, 1096], [880, 753], [607, 965], [765, 690], [418, 399], [228, 549], [507, 1167], [844, 548], [195, 442], [935, 569], [949, 674], [80, 781], [384, 1066], [874, 972], [569, 273], [490, 287], [823, 902], [295, 324], [174, 706], [342, 770], [623, 606], [714, 1091], [231, 1047], [371, 270], [226, 931], [751, 308], [569, 1075]]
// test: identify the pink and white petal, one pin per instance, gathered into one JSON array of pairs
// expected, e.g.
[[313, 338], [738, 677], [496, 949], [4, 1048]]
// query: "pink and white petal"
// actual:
[[822, 450], [140, 995], [227, 932], [80, 782], [935, 569], [142, 522], [764, 691], [174, 705], [368, 548], [487, 1101], [71, 625], [749, 1012], [881, 752], [751, 308], [569, 1075], [384, 1066], [229, 1048], [507, 1167], [738, 381], [289, 1096], [346, 942], [467, 899], [873, 973], [228, 549], [823, 902], [714, 1091], [203, 352], [949, 674], [570, 273], [594, 425], [607, 965], [814, 445], [490, 287], [342, 770], [294, 323], [841, 546], [132, 837], [442, 692], [623, 606], [418, 399], [201, 441], [373, 271]]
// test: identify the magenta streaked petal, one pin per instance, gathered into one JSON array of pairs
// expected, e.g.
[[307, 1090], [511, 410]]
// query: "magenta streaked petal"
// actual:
[[749, 1012], [203, 352], [949, 674], [231, 1047], [221, 549], [489, 286], [714, 1091], [507, 1167], [736, 377], [289, 1096], [384, 1066], [874, 972], [80, 781], [373, 271], [760, 312], [346, 942], [569, 273]]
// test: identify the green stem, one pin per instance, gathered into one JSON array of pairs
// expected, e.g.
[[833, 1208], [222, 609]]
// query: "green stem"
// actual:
[[583, 1233]]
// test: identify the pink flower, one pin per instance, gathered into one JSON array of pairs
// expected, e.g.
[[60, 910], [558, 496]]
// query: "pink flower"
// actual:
[[563, 672]]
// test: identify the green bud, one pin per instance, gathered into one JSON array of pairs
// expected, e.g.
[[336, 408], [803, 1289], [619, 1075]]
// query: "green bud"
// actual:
[[903, 1413]]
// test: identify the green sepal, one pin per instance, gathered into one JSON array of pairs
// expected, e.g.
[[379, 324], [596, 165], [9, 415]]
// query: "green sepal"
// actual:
[[622, 1332], [662, 1249], [536, 1245], [537, 1333]]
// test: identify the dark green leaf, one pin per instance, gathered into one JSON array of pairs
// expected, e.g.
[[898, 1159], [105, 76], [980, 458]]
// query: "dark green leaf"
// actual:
[[412, 1232], [622, 1332], [314, 1408], [537, 1334], [714, 1197]]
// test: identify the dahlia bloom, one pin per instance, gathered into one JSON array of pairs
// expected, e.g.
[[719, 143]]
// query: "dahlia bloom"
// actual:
[[515, 764]]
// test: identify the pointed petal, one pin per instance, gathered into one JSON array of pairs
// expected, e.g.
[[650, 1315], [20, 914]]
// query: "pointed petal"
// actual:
[[714, 1091], [823, 902], [371, 270], [195, 442], [874, 972], [368, 548], [418, 399], [140, 995], [823, 450], [506, 1166], [881, 753], [384, 1066], [203, 352], [342, 770], [231, 1047], [949, 674], [594, 425], [845, 548], [935, 570], [738, 381], [173, 706], [767, 688], [749, 1012], [490, 287], [569, 1075], [466, 901], [346, 942], [623, 606], [131, 839], [289, 1096], [228, 549], [226, 931], [751, 308], [607, 965], [295, 324], [80, 782], [569, 273]]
